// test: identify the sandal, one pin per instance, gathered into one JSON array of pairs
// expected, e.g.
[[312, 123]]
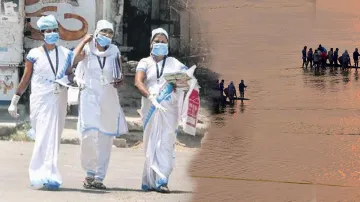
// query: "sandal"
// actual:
[[163, 189], [98, 185], [88, 182]]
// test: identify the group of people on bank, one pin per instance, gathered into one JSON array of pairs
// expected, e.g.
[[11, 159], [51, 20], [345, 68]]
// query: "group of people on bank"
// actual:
[[319, 58], [229, 93], [101, 118]]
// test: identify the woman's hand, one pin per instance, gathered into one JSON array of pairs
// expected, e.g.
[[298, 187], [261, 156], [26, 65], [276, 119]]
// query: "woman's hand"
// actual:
[[174, 86], [88, 38]]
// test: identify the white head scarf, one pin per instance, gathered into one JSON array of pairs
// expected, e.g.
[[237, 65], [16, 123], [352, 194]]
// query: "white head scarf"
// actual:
[[100, 25], [103, 24], [159, 31], [47, 22]]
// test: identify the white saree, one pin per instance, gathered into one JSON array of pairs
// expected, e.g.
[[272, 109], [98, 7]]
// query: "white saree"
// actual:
[[160, 127], [47, 115]]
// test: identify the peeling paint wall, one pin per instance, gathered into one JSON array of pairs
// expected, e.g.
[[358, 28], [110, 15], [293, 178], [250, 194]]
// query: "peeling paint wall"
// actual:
[[11, 32], [11, 46], [75, 17], [112, 10]]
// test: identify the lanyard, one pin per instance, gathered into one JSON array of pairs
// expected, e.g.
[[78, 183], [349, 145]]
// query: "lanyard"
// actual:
[[51, 64], [103, 64], [158, 75]]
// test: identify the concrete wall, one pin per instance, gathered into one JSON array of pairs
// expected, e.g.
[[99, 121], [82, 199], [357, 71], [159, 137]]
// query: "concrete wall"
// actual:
[[75, 18], [128, 94], [111, 10]]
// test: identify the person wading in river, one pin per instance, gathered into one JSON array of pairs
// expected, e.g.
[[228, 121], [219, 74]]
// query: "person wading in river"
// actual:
[[356, 58]]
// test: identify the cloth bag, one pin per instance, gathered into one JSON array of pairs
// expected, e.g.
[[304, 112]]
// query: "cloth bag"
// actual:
[[191, 106]]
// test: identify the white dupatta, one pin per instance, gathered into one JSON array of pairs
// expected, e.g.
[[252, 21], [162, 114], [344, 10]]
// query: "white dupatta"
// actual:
[[91, 47]]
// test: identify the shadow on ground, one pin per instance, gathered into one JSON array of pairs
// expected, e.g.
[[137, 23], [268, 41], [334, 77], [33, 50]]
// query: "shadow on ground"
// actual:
[[108, 190]]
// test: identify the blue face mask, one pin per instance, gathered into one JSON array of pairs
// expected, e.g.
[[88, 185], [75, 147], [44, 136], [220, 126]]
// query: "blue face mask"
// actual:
[[160, 49], [51, 38], [103, 40]]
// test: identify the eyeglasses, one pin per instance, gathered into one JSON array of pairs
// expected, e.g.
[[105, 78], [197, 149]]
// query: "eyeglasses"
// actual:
[[51, 30]]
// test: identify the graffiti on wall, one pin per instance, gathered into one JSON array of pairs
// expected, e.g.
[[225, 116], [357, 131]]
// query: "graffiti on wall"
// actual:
[[72, 2], [9, 18], [8, 82], [11, 32], [75, 17], [9, 11]]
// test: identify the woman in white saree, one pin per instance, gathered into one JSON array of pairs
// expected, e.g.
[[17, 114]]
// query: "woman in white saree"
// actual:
[[48, 101], [101, 117], [160, 111]]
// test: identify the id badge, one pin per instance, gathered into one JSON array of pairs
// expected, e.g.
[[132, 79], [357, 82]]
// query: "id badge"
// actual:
[[102, 80], [56, 88]]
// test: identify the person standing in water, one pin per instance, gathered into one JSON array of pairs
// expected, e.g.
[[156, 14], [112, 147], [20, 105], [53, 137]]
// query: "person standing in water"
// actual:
[[242, 87], [330, 57], [335, 57], [317, 59], [323, 59], [356, 58], [345, 60], [310, 58], [48, 102], [221, 91], [215, 93], [321, 48], [304, 56], [232, 91]]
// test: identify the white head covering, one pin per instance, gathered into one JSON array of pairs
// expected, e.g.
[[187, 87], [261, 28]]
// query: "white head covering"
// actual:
[[159, 31], [47, 22], [103, 24]]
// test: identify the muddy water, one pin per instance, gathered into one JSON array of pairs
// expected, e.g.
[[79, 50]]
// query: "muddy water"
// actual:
[[298, 138]]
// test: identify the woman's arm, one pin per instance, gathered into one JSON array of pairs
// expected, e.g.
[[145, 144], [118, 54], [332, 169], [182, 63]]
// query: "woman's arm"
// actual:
[[79, 48], [79, 53], [139, 83], [25, 80]]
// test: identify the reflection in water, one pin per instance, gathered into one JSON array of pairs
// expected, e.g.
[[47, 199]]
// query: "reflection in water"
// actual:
[[230, 109], [242, 107], [300, 125], [222, 114], [346, 78]]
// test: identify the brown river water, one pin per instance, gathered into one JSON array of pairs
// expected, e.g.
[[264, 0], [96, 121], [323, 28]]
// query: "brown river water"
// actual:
[[298, 137]]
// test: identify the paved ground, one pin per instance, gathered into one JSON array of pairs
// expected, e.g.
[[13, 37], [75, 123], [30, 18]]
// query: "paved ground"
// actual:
[[123, 179]]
